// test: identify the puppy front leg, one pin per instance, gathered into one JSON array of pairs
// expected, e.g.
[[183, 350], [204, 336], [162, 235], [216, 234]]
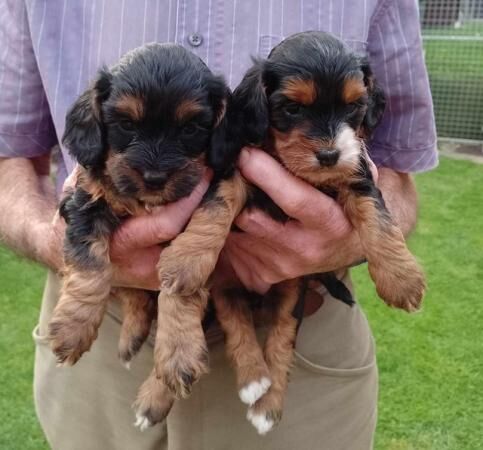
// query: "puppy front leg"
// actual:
[[267, 411], [184, 269], [398, 278], [180, 351], [86, 282], [242, 347], [187, 263], [139, 311]]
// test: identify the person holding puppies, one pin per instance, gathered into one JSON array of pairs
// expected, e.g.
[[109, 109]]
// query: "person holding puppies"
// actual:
[[52, 49]]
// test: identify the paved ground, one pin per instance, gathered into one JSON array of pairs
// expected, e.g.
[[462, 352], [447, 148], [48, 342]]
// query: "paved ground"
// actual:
[[462, 150]]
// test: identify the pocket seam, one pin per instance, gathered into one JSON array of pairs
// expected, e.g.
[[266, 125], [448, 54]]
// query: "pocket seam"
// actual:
[[304, 363]]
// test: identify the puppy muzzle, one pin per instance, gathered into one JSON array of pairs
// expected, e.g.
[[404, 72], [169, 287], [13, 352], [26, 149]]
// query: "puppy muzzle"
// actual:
[[328, 157]]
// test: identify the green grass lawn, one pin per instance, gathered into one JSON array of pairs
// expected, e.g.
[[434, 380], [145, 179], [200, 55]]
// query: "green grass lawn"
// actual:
[[431, 364]]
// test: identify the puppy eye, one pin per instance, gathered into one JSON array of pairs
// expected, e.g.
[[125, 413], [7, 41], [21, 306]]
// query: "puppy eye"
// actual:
[[127, 125], [190, 129], [293, 109]]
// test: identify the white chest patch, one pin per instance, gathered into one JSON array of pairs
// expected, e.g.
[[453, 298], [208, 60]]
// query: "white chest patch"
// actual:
[[348, 145]]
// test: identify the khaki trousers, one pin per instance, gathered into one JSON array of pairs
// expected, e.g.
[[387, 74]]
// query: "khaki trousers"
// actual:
[[331, 402]]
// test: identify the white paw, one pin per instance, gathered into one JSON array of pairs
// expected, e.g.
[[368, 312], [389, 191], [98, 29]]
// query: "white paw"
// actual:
[[142, 422], [126, 364], [260, 422], [251, 393]]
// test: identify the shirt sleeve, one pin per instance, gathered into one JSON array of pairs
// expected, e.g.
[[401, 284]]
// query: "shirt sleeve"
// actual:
[[26, 128], [406, 138]]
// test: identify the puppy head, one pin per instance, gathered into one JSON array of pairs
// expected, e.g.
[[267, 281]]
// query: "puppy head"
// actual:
[[144, 125], [312, 101]]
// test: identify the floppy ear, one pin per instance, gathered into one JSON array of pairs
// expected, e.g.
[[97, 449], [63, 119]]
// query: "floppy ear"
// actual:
[[245, 121], [84, 131], [377, 99], [251, 102], [218, 96]]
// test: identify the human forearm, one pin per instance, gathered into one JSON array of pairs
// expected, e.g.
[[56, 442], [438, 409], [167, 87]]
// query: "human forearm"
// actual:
[[28, 207], [399, 192], [319, 239]]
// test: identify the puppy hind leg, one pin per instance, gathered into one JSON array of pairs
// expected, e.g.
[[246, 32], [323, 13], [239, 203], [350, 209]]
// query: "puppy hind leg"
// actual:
[[242, 347], [139, 311], [267, 411], [398, 277]]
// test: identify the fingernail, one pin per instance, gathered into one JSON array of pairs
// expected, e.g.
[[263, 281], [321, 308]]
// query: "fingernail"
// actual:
[[208, 173], [244, 157]]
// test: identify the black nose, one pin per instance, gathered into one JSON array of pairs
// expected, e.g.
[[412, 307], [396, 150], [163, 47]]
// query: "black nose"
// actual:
[[154, 179], [328, 157]]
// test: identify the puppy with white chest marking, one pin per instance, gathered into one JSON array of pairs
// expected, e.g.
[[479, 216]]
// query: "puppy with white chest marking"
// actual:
[[310, 105]]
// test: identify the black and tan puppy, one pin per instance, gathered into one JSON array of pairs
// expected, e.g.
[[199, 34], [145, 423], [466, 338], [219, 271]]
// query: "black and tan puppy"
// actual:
[[310, 105], [140, 134]]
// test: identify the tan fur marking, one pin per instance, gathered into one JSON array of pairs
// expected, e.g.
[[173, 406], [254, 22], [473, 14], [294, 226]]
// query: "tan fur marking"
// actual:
[[138, 314], [297, 153], [300, 91], [398, 278], [184, 268], [187, 109], [154, 400], [242, 347], [180, 351], [98, 190], [279, 349], [353, 90], [79, 312], [132, 106]]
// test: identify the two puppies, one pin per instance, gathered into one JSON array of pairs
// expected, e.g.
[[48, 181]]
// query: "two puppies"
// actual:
[[143, 134]]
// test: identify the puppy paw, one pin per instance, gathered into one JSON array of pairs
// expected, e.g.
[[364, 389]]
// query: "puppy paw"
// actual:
[[266, 412], [153, 403], [183, 273], [69, 340], [250, 393], [402, 288], [263, 421]]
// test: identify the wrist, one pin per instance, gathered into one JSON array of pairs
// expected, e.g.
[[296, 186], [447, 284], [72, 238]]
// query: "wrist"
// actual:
[[345, 253], [47, 246]]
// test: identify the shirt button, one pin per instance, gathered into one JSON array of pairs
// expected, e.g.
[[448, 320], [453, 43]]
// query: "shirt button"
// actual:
[[195, 39]]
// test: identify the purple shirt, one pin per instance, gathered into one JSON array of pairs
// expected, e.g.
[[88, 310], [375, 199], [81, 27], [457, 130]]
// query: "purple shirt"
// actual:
[[50, 49]]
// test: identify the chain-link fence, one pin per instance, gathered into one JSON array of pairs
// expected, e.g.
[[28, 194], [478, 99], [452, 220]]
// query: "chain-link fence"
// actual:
[[453, 44]]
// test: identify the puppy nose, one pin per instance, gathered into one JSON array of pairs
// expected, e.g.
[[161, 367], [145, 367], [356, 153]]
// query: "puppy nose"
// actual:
[[328, 157], [155, 180]]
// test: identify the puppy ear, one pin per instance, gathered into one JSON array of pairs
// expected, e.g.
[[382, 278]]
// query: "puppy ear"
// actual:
[[377, 100], [245, 121], [84, 131], [251, 102], [218, 96]]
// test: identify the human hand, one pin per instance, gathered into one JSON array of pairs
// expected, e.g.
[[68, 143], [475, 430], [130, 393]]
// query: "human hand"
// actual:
[[135, 245], [317, 238]]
